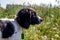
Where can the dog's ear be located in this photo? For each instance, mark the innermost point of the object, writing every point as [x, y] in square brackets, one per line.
[23, 18]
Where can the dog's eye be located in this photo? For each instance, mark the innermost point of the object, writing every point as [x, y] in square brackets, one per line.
[34, 13]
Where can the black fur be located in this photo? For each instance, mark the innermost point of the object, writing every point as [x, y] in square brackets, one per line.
[24, 18]
[1, 25]
[8, 31]
[27, 16]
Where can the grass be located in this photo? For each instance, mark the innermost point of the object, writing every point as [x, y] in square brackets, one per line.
[49, 29]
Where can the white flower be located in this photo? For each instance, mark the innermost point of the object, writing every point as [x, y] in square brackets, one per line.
[44, 37]
[56, 35]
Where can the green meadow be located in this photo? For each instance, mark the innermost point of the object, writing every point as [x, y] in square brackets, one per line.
[49, 29]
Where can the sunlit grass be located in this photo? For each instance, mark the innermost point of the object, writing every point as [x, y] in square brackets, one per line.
[49, 29]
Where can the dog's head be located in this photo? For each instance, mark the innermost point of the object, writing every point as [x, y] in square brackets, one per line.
[27, 16]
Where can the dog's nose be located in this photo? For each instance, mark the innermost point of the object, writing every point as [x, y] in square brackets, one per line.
[41, 20]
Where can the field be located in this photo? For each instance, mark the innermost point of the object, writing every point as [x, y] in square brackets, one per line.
[49, 29]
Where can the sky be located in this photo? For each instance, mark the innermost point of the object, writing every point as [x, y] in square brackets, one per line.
[38, 2]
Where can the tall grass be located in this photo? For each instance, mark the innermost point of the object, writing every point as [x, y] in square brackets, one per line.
[49, 29]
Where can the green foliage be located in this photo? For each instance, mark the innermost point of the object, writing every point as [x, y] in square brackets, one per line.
[49, 29]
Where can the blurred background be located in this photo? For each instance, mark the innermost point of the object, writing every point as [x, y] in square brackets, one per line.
[49, 10]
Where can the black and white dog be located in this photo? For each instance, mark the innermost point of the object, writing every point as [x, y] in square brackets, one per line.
[11, 28]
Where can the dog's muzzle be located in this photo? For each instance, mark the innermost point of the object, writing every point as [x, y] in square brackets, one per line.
[36, 20]
[40, 19]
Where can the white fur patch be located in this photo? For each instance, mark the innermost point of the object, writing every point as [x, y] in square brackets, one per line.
[17, 32]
